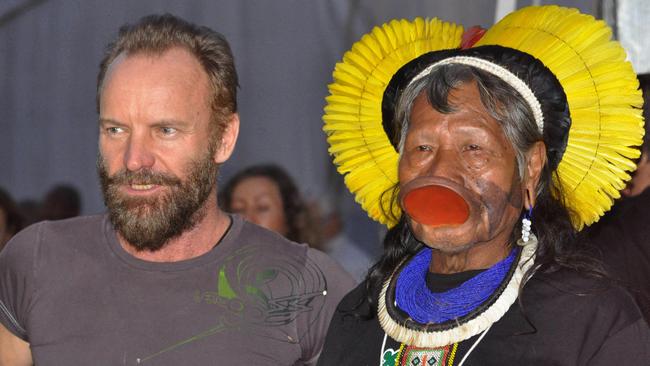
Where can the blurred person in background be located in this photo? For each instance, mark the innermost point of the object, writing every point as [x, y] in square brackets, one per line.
[30, 209]
[61, 202]
[622, 237]
[266, 195]
[11, 220]
[338, 244]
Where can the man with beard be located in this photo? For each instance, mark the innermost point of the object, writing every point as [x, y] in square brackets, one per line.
[165, 278]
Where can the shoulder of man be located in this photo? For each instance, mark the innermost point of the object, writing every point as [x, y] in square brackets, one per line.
[581, 299]
[274, 244]
[38, 246]
[57, 235]
[579, 288]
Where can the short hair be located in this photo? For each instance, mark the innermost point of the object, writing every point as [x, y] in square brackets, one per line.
[155, 34]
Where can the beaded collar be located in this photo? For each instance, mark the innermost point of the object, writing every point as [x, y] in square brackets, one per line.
[437, 334]
[414, 297]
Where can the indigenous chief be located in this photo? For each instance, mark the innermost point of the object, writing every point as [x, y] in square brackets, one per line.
[500, 146]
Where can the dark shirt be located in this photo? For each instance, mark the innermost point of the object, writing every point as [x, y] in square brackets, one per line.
[562, 319]
[70, 290]
[622, 242]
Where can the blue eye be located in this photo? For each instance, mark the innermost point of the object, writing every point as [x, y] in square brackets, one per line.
[167, 130]
[114, 130]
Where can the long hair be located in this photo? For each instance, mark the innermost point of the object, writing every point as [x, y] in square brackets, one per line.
[559, 245]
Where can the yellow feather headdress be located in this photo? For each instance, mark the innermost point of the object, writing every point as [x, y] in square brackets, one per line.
[600, 87]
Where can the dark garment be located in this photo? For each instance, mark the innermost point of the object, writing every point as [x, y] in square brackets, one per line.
[622, 242]
[71, 291]
[567, 320]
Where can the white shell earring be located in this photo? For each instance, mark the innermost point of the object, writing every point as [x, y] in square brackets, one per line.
[526, 222]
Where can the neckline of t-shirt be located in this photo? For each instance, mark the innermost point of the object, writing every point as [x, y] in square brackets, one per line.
[222, 246]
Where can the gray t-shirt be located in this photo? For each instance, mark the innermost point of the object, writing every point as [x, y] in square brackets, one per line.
[71, 291]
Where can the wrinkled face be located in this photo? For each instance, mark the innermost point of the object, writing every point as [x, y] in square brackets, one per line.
[259, 201]
[466, 153]
[156, 163]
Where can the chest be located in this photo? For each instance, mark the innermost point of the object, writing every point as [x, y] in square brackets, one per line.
[109, 317]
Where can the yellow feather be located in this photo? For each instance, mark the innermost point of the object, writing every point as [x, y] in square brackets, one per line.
[352, 119]
[600, 86]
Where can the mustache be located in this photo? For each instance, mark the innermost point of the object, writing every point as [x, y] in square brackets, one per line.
[143, 177]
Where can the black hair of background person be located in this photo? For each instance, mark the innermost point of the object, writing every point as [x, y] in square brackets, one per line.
[61, 202]
[13, 218]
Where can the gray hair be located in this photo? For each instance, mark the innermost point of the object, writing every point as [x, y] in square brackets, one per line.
[503, 103]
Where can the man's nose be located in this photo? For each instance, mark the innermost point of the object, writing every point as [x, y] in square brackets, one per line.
[446, 163]
[139, 153]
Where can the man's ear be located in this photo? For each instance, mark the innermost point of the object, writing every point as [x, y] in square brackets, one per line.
[536, 159]
[228, 140]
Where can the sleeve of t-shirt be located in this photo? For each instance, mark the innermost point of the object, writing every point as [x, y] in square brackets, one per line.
[16, 279]
[339, 283]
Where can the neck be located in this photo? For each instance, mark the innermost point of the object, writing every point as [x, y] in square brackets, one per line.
[190, 244]
[479, 256]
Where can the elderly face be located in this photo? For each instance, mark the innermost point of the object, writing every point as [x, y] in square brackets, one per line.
[467, 156]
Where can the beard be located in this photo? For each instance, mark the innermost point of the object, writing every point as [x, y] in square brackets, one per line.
[148, 223]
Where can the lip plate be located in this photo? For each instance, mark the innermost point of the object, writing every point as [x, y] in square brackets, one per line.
[470, 198]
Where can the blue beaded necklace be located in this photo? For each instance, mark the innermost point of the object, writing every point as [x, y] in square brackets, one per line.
[414, 297]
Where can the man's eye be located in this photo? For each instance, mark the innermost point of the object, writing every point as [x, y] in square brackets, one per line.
[425, 148]
[114, 130]
[472, 147]
[167, 130]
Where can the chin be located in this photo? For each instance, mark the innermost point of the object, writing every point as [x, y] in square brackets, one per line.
[447, 239]
[447, 246]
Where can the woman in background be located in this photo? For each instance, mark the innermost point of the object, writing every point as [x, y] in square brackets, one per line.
[267, 196]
